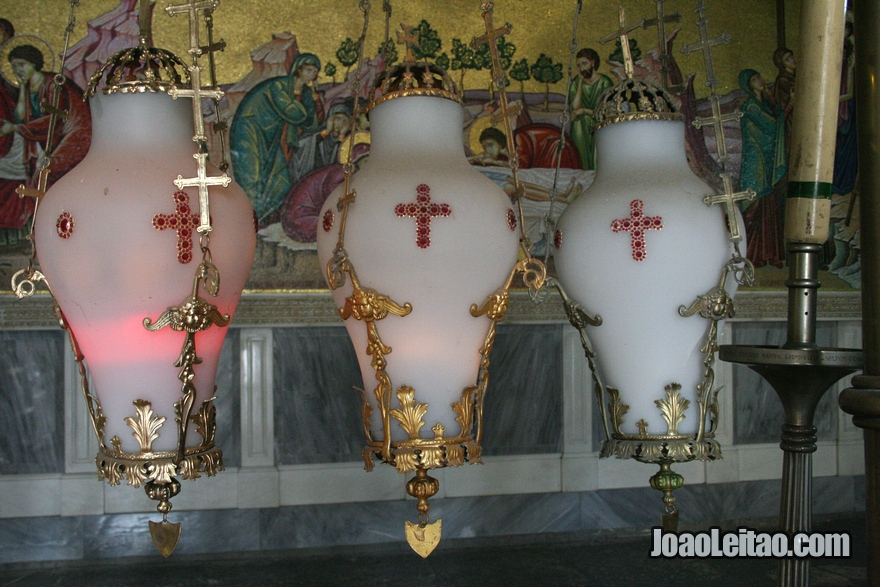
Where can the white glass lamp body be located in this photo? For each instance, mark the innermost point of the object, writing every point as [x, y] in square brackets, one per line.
[467, 255]
[635, 285]
[110, 266]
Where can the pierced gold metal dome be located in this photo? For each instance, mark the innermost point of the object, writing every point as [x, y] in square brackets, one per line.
[634, 99]
[141, 69]
[413, 79]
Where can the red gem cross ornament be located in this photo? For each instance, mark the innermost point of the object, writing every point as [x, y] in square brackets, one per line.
[183, 221]
[423, 210]
[636, 225]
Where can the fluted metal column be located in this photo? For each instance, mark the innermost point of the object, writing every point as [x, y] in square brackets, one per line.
[801, 372]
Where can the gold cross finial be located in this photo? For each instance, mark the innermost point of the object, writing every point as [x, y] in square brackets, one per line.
[623, 34]
[39, 191]
[729, 199]
[192, 8]
[705, 45]
[660, 22]
[407, 37]
[505, 110]
[202, 181]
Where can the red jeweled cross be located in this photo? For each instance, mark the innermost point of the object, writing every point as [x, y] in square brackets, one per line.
[636, 225]
[423, 210]
[183, 221]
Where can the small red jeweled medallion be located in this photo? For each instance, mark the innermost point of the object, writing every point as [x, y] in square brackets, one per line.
[183, 221]
[328, 221]
[636, 225]
[64, 225]
[423, 210]
[511, 219]
[557, 239]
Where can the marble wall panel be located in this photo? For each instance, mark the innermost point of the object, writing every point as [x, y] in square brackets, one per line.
[758, 413]
[40, 539]
[228, 402]
[374, 522]
[32, 402]
[317, 413]
[124, 535]
[523, 408]
[621, 508]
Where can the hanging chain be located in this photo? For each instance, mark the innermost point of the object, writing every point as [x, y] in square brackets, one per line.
[24, 282]
[386, 45]
[220, 126]
[534, 271]
[564, 120]
[339, 266]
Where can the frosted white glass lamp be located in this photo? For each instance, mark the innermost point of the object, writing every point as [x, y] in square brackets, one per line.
[434, 244]
[126, 253]
[641, 249]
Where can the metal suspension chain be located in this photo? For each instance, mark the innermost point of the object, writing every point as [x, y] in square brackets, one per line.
[24, 282]
[564, 120]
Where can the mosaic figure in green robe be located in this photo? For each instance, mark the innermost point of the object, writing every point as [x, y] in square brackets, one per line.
[266, 131]
[583, 95]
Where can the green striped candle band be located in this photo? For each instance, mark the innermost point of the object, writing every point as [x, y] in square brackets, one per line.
[812, 190]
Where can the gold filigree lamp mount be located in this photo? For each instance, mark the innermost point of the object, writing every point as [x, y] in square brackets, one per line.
[649, 221]
[154, 420]
[438, 246]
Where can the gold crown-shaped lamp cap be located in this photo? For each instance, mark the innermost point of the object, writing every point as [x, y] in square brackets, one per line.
[634, 99]
[141, 69]
[413, 79]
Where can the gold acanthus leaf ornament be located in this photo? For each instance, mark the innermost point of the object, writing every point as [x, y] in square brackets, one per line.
[617, 408]
[465, 409]
[410, 413]
[205, 421]
[673, 407]
[145, 424]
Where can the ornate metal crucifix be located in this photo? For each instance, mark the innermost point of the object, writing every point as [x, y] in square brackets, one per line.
[717, 120]
[660, 23]
[220, 125]
[202, 181]
[729, 198]
[192, 9]
[706, 45]
[505, 110]
[623, 34]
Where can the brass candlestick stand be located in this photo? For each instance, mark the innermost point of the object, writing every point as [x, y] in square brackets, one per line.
[800, 372]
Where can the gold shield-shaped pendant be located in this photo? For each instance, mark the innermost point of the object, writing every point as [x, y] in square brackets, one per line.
[423, 538]
[165, 536]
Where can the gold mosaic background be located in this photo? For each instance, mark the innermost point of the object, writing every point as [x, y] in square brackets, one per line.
[540, 26]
